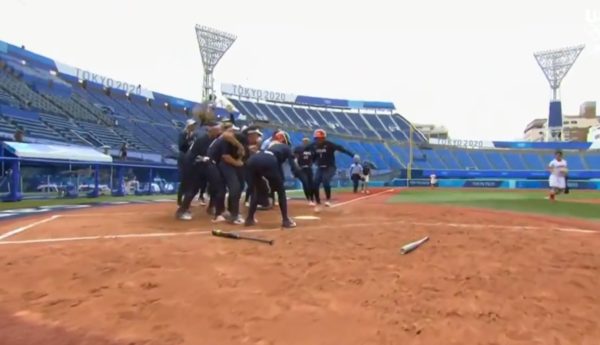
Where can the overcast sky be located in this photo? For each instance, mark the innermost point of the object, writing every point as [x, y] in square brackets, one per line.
[465, 64]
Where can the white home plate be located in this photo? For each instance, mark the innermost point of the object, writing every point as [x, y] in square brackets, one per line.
[307, 218]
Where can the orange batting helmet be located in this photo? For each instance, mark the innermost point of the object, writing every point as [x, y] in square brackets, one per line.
[283, 138]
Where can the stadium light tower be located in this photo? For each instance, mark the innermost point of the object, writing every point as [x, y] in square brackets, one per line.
[556, 64]
[213, 45]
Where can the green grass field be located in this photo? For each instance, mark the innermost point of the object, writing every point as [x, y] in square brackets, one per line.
[518, 201]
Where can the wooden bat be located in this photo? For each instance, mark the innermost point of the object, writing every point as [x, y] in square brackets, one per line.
[236, 236]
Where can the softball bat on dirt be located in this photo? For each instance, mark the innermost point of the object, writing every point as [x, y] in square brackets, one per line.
[236, 236]
[413, 245]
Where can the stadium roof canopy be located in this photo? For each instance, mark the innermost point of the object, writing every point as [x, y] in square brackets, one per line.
[56, 152]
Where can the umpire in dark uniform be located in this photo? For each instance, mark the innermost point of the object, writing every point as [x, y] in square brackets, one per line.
[184, 141]
[196, 169]
[304, 157]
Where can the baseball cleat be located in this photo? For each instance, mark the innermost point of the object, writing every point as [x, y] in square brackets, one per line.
[327, 204]
[311, 203]
[185, 216]
[250, 222]
[238, 221]
[288, 224]
[219, 219]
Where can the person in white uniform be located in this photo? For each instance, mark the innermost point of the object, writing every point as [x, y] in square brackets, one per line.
[433, 182]
[558, 173]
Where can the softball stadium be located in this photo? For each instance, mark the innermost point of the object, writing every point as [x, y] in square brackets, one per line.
[452, 243]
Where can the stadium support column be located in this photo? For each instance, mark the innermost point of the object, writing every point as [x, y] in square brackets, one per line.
[213, 45]
[120, 182]
[555, 121]
[15, 183]
[556, 64]
[150, 180]
[410, 156]
[96, 191]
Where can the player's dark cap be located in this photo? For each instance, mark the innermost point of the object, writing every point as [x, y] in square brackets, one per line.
[227, 123]
[253, 130]
[211, 123]
[558, 152]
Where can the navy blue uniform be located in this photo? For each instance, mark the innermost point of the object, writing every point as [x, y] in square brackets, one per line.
[266, 166]
[184, 141]
[232, 176]
[194, 170]
[263, 192]
[366, 170]
[356, 170]
[304, 156]
[216, 183]
[324, 159]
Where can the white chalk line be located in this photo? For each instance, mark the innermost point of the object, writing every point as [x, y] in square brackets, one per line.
[27, 227]
[361, 198]
[167, 234]
[308, 228]
[314, 227]
[583, 231]
[84, 238]
[100, 214]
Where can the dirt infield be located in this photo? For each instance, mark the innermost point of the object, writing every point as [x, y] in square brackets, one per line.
[133, 275]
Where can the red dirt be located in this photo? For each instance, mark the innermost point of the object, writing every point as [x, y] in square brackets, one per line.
[340, 280]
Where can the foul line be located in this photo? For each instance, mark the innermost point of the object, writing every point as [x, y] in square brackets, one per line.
[362, 198]
[309, 228]
[169, 234]
[27, 227]
[101, 214]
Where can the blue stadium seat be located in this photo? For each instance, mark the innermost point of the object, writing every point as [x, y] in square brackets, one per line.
[464, 159]
[448, 159]
[480, 159]
[515, 161]
[575, 162]
[533, 161]
[497, 160]
[593, 160]
[63, 109]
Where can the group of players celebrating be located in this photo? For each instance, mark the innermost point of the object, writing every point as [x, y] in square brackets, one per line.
[222, 158]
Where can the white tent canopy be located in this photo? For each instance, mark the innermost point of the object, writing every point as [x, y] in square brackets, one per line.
[56, 152]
